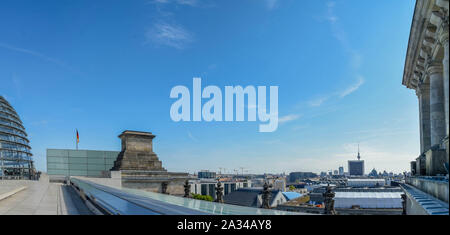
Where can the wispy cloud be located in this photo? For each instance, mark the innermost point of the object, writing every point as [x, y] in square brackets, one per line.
[181, 2]
[355, 60]
[345, 92]
[288, 118]
[271, 4]
[352, 88]
[36, 54]
[331, 17]
[192, 137]
[171, 35]
[187, 2]
[340, 35]
[317, 102]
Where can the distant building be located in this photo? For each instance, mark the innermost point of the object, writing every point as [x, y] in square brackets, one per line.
[364, 200]
[16, 160]
[208, 187]
[291, 195]
[294, 176]
[279, 184]
[370, 183]
[258, 182]
[206, 175]
[373, 173]
[356, 168]
[338, 181]
[252, 197]
[91, 163]
[360, 198]
[341, 170]
[352, 201]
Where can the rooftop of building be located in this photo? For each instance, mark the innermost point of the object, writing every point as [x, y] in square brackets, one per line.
[291, 195]
[366, 180]
[248, 196]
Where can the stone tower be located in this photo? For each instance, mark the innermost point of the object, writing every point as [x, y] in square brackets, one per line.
[137, 153]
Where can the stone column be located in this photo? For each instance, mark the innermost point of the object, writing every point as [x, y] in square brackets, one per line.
[423, 93]
[444, 41]
[437, 110]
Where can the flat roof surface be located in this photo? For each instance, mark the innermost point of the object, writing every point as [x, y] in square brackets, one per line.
[368, 195]
[365, 180]
[41, 198]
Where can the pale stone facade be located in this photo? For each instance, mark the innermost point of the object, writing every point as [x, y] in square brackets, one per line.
[427, 72]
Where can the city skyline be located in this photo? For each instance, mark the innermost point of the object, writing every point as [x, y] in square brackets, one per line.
[338, 79]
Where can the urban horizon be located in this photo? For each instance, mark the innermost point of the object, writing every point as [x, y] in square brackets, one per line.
[335, 92]
[244, 109]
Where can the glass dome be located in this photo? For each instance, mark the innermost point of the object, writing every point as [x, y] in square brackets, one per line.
[15, 154]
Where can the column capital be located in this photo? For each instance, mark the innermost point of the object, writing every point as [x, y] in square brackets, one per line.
[423, 88]
[443, 16]
[434, 66]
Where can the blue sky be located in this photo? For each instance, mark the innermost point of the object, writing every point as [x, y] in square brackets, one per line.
[107, 66]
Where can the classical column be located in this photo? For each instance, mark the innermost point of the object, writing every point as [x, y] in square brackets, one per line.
[423, 93]
[437, 110]
[443, 38]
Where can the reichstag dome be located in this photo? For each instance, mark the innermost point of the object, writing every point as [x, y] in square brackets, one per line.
[15, 155]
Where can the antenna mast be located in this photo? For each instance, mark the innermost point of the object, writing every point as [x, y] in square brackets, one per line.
[359, 156]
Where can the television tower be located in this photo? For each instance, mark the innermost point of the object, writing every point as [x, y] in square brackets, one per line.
[359, 156]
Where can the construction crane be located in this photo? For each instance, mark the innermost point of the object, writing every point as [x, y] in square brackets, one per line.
[242, 170]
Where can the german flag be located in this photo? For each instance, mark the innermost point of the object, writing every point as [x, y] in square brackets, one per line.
[78, 137]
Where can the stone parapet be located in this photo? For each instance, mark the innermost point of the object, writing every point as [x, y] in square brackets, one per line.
[155, 181]
[422, 203]
[435, 186]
